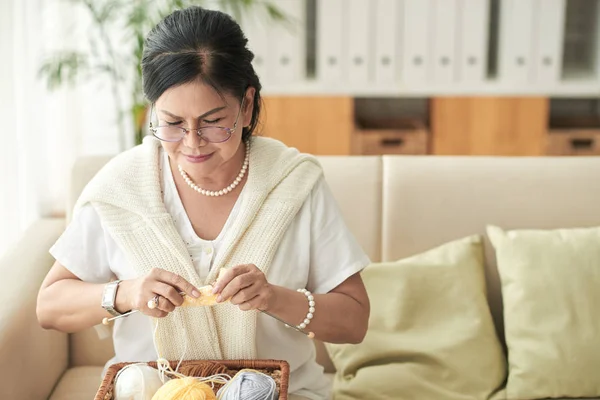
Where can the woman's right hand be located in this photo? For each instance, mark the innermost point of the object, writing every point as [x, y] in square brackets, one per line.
[135, 294]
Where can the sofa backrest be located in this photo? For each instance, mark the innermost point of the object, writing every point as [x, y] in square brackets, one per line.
[428, 201]
[398, 206]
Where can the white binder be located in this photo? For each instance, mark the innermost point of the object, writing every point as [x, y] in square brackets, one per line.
[550, 15]
[287, 49]
[416, 39]
[358, 31]
[255, 28]
[386, 21]
[516, 40]
[473, 33]
[444, 40]
[330, 42]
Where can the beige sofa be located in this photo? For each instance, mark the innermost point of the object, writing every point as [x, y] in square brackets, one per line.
[395, 205]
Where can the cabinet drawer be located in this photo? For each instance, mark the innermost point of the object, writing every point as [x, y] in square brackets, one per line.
[573, 142]
[384, 141]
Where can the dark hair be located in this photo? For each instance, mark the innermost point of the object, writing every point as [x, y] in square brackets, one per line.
[196, 43]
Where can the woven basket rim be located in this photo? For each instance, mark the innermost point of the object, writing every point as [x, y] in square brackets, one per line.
[281, 365]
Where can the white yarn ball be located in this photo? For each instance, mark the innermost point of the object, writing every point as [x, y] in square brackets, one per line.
[137, 382]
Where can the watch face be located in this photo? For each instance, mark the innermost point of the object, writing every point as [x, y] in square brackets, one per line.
[108, 295]
[106, 298]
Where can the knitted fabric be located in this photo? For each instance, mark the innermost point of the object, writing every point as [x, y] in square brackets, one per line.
[126, 193]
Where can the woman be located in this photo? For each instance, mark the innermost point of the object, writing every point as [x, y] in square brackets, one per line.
[200, 196]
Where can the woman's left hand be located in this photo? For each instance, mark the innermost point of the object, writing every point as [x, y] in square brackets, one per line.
[245, 286]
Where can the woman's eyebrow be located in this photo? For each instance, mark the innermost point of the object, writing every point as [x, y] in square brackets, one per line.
[200, 117]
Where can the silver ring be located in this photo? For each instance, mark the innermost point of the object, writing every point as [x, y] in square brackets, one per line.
[153, 302]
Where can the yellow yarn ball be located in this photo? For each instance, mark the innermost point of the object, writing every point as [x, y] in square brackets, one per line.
[185, 389]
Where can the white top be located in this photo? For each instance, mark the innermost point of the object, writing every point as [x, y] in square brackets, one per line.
[317, 252]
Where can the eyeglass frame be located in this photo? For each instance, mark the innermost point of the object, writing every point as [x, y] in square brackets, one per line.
[230, 131]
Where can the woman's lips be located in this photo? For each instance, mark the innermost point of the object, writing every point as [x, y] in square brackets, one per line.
[197, 159]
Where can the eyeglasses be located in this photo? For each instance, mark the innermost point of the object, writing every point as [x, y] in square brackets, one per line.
[212, 134]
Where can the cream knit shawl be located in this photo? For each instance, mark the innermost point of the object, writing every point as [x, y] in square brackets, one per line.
[126, 193]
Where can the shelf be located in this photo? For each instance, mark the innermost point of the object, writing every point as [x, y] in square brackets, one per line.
[575, 88]
[429, 48]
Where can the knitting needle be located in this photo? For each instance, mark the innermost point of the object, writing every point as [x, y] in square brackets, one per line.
[107, 321]
[310, 335]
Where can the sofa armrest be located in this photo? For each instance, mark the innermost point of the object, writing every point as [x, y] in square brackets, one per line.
[33, 359]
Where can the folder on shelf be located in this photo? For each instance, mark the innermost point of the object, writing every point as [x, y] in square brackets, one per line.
[358, 29]
[287, 50]
[330, 40]
[387, 48]
[473, 34]
[443, 27]
[516, 41]
[550, 15]
[255, 28]
[416, 39]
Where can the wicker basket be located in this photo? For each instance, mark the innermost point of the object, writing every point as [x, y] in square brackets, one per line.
[278, 369]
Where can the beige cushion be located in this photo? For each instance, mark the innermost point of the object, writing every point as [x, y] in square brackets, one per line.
[83, 171]
[428, 201]
[551, 287]
[78, 383]
[430, 334]
[31, 358]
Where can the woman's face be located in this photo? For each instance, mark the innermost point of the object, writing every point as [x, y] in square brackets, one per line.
[197, 105]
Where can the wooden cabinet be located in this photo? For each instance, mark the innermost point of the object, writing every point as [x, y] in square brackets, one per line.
[489, 126]
[501, 126]
[316, 125]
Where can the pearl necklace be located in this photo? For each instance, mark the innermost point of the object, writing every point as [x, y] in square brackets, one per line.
[221, 192]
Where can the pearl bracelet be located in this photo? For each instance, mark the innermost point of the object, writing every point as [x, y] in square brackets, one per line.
[311, 308]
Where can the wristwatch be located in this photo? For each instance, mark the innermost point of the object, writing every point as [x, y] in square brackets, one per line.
[108, 297]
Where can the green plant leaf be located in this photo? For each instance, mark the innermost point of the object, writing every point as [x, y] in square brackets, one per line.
[275, 13]
[63, 68]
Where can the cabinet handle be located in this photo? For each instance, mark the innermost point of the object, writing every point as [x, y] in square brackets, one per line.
[582, 144]
[392, 142]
